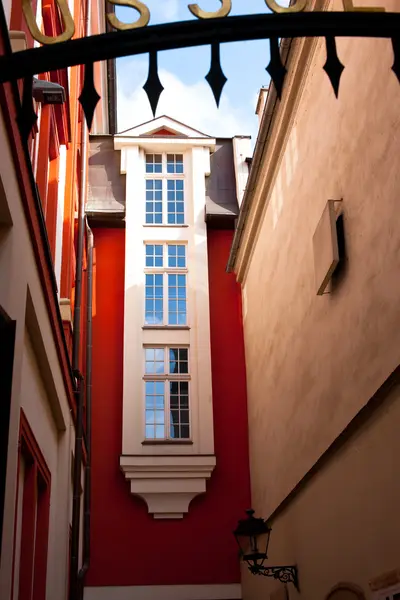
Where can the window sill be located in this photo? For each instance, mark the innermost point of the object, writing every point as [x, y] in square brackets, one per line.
[163, 225]
[168, 327]
[167, 443]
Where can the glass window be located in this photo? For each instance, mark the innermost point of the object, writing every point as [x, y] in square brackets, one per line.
[177, 313]
[155, 410]
[175, 197]
[179, 410]
[154, 313]
[153, 163]
[176, 256]
[167, 414]
[154, 361]
[154, 197]
[175, 163]
[178, 361]
[154, 255]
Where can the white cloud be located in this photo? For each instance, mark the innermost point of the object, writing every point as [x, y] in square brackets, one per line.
[168, 9]
[193, 105]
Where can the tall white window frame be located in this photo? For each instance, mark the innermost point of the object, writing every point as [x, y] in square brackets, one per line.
[168, 266]
[174, 207]
[167, 406]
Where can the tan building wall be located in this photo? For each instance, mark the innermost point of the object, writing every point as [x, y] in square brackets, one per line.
[313, 362]
[38, 387]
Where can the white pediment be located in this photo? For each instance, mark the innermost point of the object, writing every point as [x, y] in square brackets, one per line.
[158, 126]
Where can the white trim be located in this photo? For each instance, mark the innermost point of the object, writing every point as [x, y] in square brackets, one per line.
[170, 144]
[167, 484]
[230, 591]
[163, 122]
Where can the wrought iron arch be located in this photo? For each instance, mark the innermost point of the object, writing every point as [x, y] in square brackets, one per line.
[213, 32]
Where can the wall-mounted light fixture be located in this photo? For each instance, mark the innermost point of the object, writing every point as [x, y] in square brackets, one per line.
[252, 535]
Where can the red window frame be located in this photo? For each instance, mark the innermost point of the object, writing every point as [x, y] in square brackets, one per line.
[35, 517]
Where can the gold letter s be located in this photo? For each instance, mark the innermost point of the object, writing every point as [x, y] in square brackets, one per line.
[349, 7]
[137, 5]
[35, 31]
[203, 14]
[298, 7]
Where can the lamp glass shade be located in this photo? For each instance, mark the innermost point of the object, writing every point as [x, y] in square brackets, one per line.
[252, 535]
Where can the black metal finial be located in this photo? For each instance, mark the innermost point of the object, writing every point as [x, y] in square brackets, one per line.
[276, 68]
[27, 116]
[216, 77]
[333, 67]
[153, 86]
[396, 49]
[89, 97]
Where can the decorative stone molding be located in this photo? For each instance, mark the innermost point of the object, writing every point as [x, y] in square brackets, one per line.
[167, 484]
[346, 591]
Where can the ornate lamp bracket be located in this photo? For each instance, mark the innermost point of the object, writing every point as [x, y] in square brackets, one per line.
[285, 574]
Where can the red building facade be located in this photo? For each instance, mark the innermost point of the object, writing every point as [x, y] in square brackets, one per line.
[141, 545]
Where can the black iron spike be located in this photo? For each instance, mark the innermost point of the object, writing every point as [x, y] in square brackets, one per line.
[396, 49]
[153, 86]
[333, 67]
[89, 97]
[276, 68]
[27, 116]
[216, 77]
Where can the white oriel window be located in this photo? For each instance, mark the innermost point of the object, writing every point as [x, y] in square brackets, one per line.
[166, 381]
[166, 284]
[165, 189]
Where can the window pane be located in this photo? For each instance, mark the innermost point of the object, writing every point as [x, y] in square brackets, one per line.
[179, 410]
[153, 200]
[150, 432]
[153, 291]
[154, 361]
[178, 364]
[155, 410]
[174, 163]
[177, 313]
[177, 256]
[175, 202]
[153, 163]
[154, 255]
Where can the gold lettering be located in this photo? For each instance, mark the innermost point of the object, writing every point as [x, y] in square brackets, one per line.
[277, 8]
[142, 9]
[203, 14]
[349, 7]
[69, 26]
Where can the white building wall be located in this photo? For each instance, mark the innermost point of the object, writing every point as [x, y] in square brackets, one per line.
[141, 468]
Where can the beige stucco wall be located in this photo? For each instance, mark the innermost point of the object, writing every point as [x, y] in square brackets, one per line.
[344, 525]
[38, 385]
[314, 362]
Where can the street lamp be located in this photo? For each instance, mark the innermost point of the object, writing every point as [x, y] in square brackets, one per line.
[252, 535]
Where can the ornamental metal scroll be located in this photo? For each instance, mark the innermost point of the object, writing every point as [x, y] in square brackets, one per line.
[210, 28]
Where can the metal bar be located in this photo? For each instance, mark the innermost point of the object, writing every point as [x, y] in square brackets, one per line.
[187, 34]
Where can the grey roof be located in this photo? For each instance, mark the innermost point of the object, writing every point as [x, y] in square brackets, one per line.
[106, 193]
[221, 197]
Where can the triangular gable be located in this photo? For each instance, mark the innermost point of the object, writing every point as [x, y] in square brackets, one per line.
[164, 132]
[163, 126]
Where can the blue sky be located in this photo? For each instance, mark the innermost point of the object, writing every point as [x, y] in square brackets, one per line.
[187, 96]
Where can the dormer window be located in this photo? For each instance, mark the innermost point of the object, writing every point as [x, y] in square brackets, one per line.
[153, 163]
[165, 190]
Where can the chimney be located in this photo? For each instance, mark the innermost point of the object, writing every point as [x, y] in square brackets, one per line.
[262, 99]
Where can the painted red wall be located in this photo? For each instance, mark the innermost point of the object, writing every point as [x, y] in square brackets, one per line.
[128, 546]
